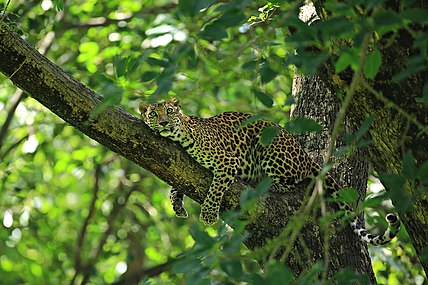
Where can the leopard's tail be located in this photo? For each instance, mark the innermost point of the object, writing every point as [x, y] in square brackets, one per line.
[357, 225]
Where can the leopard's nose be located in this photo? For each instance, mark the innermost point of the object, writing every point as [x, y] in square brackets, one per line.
[163, 124]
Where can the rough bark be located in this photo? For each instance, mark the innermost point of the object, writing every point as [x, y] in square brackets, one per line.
[316, 101]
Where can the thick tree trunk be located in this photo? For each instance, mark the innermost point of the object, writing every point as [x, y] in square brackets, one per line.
[314, 100]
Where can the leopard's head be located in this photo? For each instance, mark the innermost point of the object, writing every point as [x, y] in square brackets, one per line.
[163, 117]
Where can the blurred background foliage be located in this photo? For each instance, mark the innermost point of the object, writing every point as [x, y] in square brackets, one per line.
[75, 213]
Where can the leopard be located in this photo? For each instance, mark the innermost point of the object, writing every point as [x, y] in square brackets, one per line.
[230, 146]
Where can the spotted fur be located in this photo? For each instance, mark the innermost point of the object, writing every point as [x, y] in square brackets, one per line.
[231, 149]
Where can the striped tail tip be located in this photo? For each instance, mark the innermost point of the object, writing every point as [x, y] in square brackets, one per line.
[387, 236]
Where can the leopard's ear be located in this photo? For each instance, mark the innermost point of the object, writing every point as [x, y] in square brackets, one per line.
[142, 107]
[174, 101]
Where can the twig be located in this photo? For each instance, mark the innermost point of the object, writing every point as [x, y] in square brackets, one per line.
[16, 99]
[303, 215]
[117, 206]
[14, 145]
[4, 12]
[77, 258]
[19, 67]
[356, 79]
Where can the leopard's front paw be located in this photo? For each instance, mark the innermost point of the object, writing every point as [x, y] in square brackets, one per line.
[176, 198]
[209, 215]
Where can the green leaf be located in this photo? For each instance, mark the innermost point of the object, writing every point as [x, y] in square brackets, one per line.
[216, 30]
[233, 268]
[263, 186]
[348, 195]
[249, 64]
[192, 7]
[250, 120]
[416, 15]
[266, 73]
[365, 126]
[197, 278]
[213, 32]
[201, 237]
[59, 5]
[311, 277]
[112, 95]
[409, 166]
[185, 265]
[349, 57]
[263, 97]
[424, 254]
[395, 183]
[157, 62]
[289, 101]
[347, 276]
[149, 75]
[303, 125]
[335, 27]
[164, 85]
[268, 134]
[250, 196]
[90, 48]
[386, 20]
[231, 17]
[422, 173]
[278, 273]
[120, 65]
[424, 98]
[372, 201]
[373, 62]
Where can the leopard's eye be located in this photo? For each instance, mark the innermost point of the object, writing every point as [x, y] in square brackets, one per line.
[169, 110]
[152, 114]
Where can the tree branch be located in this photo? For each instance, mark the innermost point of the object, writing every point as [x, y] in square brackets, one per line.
[113, 127]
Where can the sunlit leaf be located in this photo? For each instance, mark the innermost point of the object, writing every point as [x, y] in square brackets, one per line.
[348, 58]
